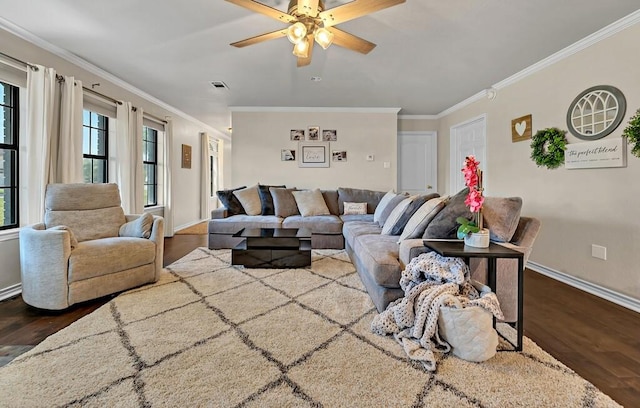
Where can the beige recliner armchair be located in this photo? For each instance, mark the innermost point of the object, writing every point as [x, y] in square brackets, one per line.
[87, 247]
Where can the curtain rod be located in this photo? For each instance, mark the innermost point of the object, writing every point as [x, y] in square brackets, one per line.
[150, 116]
[26, 64]
[102, 95]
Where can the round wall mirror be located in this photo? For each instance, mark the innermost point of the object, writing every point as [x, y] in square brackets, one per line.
[596, 112]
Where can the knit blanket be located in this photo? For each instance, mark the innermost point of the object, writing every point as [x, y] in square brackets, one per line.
[429, 282]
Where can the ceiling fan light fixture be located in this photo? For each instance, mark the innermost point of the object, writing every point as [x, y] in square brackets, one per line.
[301, 49]
[323, 37]
[296, 32]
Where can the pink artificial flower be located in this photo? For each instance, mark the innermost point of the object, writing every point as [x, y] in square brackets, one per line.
[470, 177]
[474, 200]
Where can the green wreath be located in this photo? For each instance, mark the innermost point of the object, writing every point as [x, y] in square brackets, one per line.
[548, 146]
[632, 133]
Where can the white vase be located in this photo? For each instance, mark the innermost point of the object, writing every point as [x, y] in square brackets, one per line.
[478, 239]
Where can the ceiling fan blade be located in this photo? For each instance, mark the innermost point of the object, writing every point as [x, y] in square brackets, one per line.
[308, 7]
[266, 10]
[355, 9]
[306, 61]
[260, 38]
[350, 41]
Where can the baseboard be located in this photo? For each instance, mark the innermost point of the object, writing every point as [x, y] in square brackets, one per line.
[190, 224]
[604, 293]
[10, 291]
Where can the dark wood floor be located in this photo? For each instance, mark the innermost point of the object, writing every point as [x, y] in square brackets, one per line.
[597, 339]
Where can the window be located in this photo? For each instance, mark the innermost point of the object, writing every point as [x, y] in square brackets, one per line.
[95, 128]
[150, 165]
[9, 156]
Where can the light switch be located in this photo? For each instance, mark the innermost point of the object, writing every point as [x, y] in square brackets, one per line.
[387, 165]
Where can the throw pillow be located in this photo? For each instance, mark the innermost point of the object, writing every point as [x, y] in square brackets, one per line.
[393, 203]
[355, 208]
[501, 216]
[229, 201]
[250, 200]
[72, 237]
[284, 204]
[444, 224]
[266, 200]
[398, 227]
[420, 219]
[310, 202]
[396, 214]
[384, 201]
[138, 228]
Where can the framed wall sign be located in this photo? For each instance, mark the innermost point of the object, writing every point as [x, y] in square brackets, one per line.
[186, 156]
[313, 154]
[521, 129]
[596, 112]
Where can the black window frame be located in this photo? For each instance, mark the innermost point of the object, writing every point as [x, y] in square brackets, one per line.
[150, 163]
[104, 158]
[14, 106]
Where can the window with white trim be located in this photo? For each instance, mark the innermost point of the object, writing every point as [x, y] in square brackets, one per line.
[95, 147]
[150, 165]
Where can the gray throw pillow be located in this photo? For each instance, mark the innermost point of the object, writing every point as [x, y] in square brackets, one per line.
[398, 227]
[384, 214]
[396, 214]
[444, 225]
[283, 202]
[266, 200]
[501, 216]
[138, 228]
[420, 219]
[384, 201]
[229, 201]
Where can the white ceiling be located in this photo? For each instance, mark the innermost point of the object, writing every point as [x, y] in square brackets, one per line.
[430, 54]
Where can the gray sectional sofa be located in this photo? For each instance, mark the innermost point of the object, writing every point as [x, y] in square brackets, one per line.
[380, 258]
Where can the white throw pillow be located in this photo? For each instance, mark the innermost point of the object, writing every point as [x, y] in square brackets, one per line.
[383, 204]
[355, 208]
[311, 202]
[250, 200]
[396, 214]
[420, 219]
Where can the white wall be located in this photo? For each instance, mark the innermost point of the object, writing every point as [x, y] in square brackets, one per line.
[578, 208]
[186, 184]
[259, 136]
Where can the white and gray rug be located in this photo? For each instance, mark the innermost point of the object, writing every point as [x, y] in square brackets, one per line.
[212, 335]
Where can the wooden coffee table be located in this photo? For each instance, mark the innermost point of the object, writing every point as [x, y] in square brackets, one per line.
[273, 248]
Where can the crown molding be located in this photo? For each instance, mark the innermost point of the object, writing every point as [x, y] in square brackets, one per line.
[87, 66]
[600, 35]
[318, 109]
[418, 117]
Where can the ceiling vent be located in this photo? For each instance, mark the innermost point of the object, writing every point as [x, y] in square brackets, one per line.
[219, 85]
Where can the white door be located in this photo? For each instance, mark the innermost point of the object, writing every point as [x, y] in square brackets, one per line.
[467, 138]
[417, 162]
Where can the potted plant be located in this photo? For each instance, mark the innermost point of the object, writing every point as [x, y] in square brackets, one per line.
[632, 133]
[472, 231]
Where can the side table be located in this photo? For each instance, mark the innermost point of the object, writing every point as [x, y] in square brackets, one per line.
[492, 254]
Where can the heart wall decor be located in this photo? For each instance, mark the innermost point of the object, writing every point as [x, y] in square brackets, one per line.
[521, 129]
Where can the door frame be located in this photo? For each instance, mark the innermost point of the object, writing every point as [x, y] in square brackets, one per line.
[430, 135]
[453, 144]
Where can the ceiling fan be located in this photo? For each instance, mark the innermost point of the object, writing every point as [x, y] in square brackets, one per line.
[309, 21]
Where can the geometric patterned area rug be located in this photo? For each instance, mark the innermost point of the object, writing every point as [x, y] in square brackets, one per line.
[208, 334]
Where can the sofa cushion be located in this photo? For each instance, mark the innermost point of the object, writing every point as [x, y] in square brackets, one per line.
[81, 196]
[358, 195]
[384, 201]
[310, 202]
[283, 202]
[250, 200]
[317, 224]
[393, 203]
[355, 208]
[331, 199]
[379, 255]
[357, 217]
[501, 216]
[422, 217]
[229, 201]
[266, 200]
[138, 228]
[354, 229]
[396, 214]
[398, 227]
[235, 223]
[88, 259]
[444, 224]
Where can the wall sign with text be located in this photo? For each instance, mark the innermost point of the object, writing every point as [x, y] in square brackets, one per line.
[597, 154]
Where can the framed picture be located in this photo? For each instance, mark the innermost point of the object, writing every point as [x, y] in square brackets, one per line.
[521, 129]
[314, 133]
[287, 155]
[297, 135]
[339, 155]
[186, 156]
[313, 154]
[329, 135]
